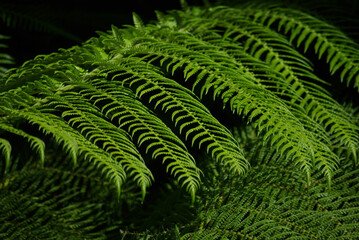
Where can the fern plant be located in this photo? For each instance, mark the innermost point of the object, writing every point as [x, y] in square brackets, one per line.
[228, 101]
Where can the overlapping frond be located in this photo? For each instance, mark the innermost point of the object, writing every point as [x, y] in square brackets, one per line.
[295, 81]
[218, 71]
[49, 203]
[118, 103]
[302, 29]
[140, 92]
[139, 97]
[276, 203]
[188, 114]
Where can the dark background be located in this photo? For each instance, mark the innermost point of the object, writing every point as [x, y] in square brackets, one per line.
[43, 26]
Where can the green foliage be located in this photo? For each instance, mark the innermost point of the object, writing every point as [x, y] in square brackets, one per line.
[50, 203]
[236, 104]
[275, 202]
[5, 59]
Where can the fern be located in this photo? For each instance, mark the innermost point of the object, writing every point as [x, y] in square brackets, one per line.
[313, 100]
[35, 206]
[135, 98]
[340, 51]
[5, 59]
[279, 209]
[257, 217]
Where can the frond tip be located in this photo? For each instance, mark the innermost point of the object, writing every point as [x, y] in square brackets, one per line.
[35, 143]
[5, 147]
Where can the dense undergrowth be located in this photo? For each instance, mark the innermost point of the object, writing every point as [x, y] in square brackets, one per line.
[212, 122]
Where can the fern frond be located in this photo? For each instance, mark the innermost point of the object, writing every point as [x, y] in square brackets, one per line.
[5, 59]
[50, 203]
[45, 123]
[5, 147]
[241, 93]
[191, 117]
[305, 30]
[146, 95]
[113, 141]
[300, 85]
[119, 104]
[35, 143]
[137, 21]
[118, 92]
[269, 207]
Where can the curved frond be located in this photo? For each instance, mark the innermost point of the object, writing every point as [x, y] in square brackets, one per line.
[340, 51]
[188, 114]
[35, 143]
[120, 105]
[5, 147]
[242, 93]
[281, 69]
[142, 93]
